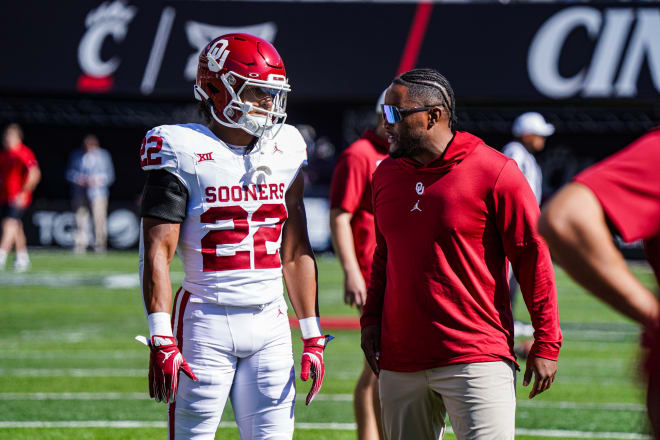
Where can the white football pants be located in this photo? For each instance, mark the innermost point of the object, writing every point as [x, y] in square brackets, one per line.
[243, 353]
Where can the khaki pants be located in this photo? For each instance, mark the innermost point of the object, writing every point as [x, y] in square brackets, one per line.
[479, 397]
[99, 208]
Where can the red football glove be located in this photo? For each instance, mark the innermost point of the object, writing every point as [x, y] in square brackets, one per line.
[312, 361]
[164, 364]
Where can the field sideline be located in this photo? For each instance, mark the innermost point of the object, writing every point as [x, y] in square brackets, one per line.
[72, 370]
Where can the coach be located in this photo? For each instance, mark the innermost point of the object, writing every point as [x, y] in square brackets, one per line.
[437, 324]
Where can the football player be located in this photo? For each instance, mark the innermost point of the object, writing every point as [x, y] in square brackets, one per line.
[230, 195]
[620, 194]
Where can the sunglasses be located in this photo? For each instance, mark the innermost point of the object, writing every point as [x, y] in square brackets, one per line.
[394, 114]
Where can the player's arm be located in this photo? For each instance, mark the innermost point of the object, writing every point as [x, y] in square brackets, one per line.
[300, 276]
[298, 262]
[31, 181]
[349, 180]
[33, 178]
[517, 213]
[576, 230]
[355, 289]
[160, 240]
[163, 208]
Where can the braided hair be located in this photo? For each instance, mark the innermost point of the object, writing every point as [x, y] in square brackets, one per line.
[430, 87]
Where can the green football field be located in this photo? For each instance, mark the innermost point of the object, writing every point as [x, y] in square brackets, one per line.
[70, 368]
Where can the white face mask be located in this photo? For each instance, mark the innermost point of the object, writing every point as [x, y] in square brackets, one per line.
[255, 124]
[254, 119]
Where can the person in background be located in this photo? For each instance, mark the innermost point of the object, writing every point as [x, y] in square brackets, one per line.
[90, 173]
[621, 194]
[354, 240]
[530, 131]
[19, 176]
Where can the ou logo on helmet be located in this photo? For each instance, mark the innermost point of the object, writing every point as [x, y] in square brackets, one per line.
[610, 29]
[217, 55]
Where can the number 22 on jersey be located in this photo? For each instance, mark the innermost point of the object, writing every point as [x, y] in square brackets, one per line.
[241, 259]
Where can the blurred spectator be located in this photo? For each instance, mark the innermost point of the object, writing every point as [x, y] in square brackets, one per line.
[19, 175]
[90, 172]
[321, 153]
[530, 131]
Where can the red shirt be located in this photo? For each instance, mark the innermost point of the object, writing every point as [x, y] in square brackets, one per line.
[444, 231]
[627, 185]
[350, 191]
[14, 166]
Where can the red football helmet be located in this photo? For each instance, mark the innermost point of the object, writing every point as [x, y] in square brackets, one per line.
[241, 79]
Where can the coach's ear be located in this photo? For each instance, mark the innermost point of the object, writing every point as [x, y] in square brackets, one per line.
[435, 114]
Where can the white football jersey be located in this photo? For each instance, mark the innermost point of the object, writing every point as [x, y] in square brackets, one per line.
[230, 239]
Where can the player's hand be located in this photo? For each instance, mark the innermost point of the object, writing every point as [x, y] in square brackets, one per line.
[312, 363]
[164, 364]
[371, 346]
[544, 371]
[355, 289]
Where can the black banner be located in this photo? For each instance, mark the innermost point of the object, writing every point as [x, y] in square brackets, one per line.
[337, 51]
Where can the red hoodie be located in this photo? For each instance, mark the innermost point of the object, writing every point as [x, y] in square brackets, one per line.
[444, 231]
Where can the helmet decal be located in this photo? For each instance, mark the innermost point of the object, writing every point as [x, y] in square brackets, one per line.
[217, 55]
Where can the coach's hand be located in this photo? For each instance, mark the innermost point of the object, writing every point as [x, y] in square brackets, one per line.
[544, 374]
[312, 363]
[164, 364]
[371, 346]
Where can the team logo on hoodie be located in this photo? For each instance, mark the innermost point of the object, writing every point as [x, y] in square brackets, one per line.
[419, 188]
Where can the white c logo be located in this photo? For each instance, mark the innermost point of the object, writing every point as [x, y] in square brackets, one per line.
[543, 59]
[107, 19]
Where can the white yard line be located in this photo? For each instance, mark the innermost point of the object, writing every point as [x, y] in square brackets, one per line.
[543, 433]
[596, 380]
[323, 397]
[73, 372]
[114, 372]
[78, 279]
[563, 433]
[137, 396]
[345, 375]
[606, 406]
[75, 354]
[74, 396]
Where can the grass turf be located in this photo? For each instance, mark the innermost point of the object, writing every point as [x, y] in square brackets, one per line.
[73, 334]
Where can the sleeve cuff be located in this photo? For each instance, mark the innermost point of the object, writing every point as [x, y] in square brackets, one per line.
[546, 350]
[366, 321]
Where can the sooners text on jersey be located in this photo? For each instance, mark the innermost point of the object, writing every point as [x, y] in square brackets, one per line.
[230, 239]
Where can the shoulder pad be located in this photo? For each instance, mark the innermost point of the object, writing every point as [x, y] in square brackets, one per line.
[156, 152]
[291, 141]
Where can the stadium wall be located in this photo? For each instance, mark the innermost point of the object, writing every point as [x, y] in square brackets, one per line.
[117, 68]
